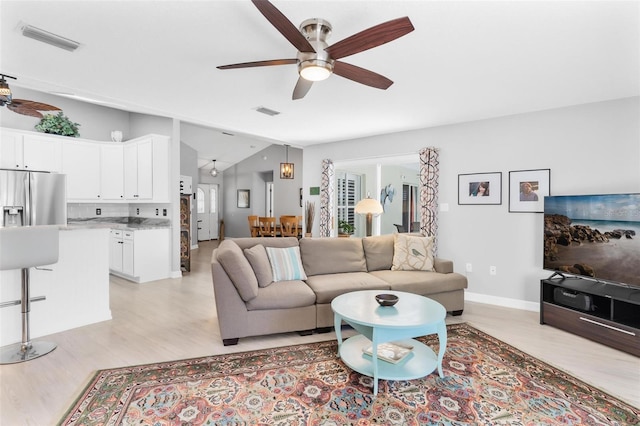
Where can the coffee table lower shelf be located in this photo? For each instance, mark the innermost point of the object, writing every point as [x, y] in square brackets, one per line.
[421, 362]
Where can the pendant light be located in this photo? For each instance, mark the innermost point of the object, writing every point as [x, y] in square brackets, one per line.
[286, 169]
[214, 171]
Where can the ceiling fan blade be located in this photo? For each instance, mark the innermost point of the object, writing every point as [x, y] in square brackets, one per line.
[301, 89]
[30, 108]
[371, 37]
[259, 64]
[284, 25]
[361, 75]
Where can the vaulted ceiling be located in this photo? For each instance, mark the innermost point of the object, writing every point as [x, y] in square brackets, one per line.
[464, 61]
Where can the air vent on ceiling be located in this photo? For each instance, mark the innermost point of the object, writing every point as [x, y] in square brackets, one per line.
[49, 38]
[228, 134]
[267, 111]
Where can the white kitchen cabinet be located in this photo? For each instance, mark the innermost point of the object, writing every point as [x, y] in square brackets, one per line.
[115, 250]
[134, 171]
[128, 255]
[81, 164]
[138, 170]
[25, 151]
[111, 172]
[140, 255]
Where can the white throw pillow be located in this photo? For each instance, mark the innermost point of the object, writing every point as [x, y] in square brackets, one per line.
[286, 264]
[412, 253]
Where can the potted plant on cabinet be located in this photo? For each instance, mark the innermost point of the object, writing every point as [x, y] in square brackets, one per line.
[58, 124]
[345, 229]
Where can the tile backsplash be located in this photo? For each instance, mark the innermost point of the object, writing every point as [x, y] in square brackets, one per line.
[88, 210]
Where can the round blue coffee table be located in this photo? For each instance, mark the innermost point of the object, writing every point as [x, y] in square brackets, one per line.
[412, 316]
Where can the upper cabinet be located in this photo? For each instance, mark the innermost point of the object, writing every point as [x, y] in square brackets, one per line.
[81, 164]
[132, 171]
[27, 151]
[111, 171]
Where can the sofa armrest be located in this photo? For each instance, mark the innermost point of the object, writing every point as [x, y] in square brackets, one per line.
[443, 266]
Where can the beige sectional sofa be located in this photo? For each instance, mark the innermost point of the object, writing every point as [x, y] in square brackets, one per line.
[248, 303]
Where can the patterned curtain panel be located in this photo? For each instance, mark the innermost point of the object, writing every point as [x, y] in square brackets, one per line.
[327, 198]
[429, 173]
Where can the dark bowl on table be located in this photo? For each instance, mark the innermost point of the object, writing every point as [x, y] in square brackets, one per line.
[386, 299]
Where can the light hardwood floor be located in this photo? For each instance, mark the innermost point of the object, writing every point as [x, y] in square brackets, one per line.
[173, 319]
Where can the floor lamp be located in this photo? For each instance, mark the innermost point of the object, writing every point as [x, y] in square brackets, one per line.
[369, 207]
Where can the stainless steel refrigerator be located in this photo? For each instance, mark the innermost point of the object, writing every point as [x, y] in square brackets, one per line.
[32, 198]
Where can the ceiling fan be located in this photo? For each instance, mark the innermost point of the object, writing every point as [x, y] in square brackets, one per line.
[316, 60]
[21, 106]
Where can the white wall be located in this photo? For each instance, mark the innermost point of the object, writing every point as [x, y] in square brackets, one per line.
[252, 173]
[592, 148]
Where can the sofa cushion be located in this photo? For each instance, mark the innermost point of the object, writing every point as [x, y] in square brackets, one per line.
[412, 253]
[378, 252]
[257, 257]
[327, 287]
[249, 242]
[421, 282]
[283, 295]
[238, 268]
[332, 255]
[286, 264]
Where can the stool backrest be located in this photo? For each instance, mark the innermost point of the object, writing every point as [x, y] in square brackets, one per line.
[28, 246]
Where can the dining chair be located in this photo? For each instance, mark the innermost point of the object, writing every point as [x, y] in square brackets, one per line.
[253, 225]
[288, 226]
[400, 228]
[266, 226]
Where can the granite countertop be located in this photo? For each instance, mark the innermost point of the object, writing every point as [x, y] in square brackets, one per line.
[130, 223]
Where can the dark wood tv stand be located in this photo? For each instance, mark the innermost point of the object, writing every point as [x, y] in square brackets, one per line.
[614, 319]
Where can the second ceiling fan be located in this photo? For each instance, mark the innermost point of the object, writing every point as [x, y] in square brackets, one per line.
[317, 60]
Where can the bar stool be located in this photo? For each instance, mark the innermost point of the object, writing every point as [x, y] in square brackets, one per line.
[22, 248]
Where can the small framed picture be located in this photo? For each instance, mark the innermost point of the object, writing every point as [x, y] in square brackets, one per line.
[527, 189]
[480, 188]
[243, 198]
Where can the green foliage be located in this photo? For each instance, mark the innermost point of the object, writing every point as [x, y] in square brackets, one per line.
[345, 227]
[58, 125]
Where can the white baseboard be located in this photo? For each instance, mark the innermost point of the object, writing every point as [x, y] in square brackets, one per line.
[175, 274]
[502, 301]
[194, 246]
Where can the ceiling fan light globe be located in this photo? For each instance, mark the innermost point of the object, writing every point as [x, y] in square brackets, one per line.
[315, 70]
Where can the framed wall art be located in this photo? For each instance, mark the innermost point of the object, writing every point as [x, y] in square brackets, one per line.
[244, 198]
[480, 188]
[527, 189]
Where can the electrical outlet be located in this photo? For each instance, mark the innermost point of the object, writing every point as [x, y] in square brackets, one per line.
[137, 211]
[469, 267]
[492, 270]
[157, 212]
[164, 212]
[98, 212]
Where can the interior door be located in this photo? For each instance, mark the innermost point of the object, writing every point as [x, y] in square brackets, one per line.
[207, 201]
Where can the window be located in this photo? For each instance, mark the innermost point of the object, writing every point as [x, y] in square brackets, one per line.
[213, 199]
[347, 195]
[200, 200]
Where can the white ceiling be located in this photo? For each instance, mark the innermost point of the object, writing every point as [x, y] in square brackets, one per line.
[464, 61]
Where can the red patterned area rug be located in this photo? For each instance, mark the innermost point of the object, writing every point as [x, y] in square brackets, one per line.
[487, 382]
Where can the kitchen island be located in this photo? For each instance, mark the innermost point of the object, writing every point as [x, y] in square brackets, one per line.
[76, 288]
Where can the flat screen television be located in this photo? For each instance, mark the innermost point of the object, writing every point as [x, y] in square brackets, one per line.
[593, 236]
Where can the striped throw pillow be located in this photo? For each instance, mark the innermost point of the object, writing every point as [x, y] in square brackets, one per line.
[286, 264]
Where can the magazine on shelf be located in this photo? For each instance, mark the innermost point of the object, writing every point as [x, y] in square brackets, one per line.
[392, 352]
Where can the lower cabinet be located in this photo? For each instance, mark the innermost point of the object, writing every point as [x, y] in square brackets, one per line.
[140, 255]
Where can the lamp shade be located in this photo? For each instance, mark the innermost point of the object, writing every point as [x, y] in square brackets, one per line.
[369, 206]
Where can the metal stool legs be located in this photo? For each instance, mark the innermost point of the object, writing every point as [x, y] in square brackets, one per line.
[26, 349]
